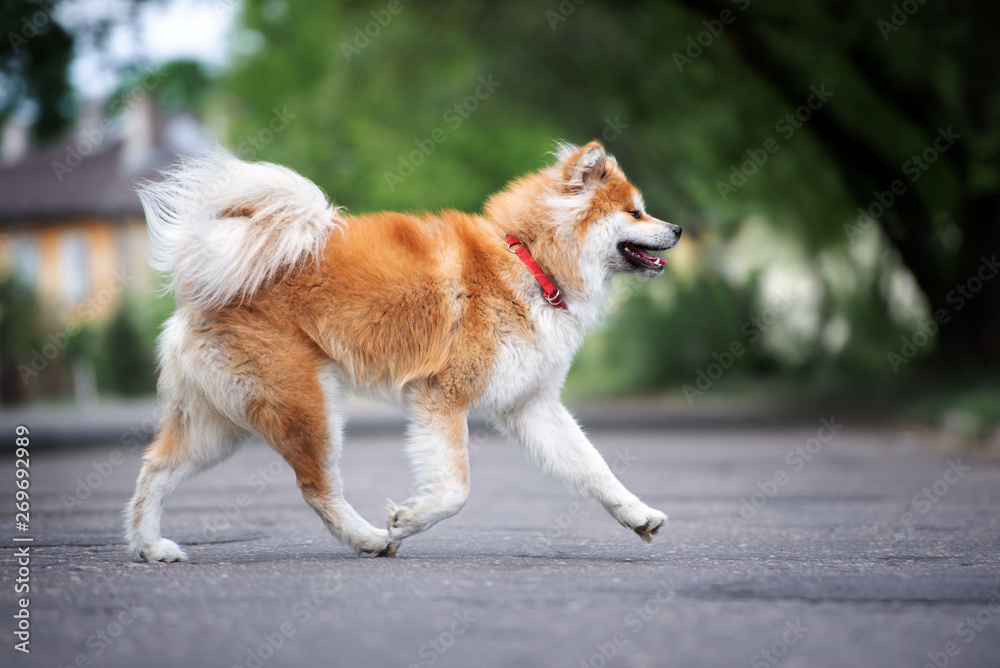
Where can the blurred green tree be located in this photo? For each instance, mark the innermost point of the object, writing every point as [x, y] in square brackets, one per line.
[184, 86]
[20, 332]
[35, 55]
[914, 137]
[833, 123]
[36, 52]
[833, 104]
[125, 359]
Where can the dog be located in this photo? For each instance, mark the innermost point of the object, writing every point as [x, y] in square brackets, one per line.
[284, 299]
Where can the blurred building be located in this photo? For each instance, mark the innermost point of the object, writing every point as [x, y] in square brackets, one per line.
[71, 225]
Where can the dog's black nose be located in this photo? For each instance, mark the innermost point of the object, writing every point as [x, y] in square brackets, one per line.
[676, 229]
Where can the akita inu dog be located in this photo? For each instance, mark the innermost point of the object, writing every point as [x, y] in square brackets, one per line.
[283, 299]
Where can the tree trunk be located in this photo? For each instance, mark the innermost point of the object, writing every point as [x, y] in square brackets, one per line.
[972, 299]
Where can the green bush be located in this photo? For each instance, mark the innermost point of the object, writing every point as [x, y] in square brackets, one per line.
[21, 331]
[660, 341]
[125, 357]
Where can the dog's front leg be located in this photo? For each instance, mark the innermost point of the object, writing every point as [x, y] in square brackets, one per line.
[555, 443]
[436, 446]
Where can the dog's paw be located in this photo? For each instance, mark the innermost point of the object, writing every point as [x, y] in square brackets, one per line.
[390, 550]
[163, 550]
[648, 529]
[379, 546]
[400, 520]
[642, 519]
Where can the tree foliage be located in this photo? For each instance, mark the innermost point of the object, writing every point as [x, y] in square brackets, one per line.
[34, 65]
[864, 136]
[808, 116]
[37, 49]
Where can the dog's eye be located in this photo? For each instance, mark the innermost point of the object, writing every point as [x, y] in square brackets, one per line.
[635, 214]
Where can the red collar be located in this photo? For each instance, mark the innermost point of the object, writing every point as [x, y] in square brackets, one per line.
[550, 292]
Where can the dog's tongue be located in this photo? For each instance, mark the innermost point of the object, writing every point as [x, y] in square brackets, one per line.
[645, 257]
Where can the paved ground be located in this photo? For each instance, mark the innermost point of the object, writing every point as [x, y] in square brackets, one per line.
[869, 551]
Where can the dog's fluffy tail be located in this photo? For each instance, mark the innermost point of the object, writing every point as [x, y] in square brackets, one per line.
[221, 227]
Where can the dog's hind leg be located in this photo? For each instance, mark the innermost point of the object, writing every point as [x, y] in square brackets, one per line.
[186, 444]
[436, 446]
[302, 420]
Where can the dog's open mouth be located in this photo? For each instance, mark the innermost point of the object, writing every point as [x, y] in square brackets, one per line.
[640, 256]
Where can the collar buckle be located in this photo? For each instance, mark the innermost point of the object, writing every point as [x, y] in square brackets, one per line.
[550, 292]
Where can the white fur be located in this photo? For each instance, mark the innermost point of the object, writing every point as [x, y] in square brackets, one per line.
[440, 471]
[522, 399]
[194, 384]
[554, 442]
[194, 372]
[214, 257]
[523, 394]
[213, 439]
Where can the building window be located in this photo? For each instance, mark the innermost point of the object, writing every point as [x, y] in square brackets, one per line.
[24, 252]
[75, 263]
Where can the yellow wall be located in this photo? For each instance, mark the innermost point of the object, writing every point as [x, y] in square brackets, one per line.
[116, 260]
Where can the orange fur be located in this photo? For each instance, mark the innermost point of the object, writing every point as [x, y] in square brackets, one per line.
[398, 299]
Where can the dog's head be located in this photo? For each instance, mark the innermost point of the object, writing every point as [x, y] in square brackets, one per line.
[597, 204]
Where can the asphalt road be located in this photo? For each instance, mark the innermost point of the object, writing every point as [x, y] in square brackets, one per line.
[863, 550]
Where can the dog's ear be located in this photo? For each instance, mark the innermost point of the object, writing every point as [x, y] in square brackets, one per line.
[586, 168]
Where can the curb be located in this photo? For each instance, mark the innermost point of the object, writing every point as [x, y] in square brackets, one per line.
[134, 422]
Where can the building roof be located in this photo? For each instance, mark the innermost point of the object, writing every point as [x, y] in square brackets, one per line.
[44, 186]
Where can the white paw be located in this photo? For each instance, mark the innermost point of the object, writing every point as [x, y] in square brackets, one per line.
[401, 522]
[378, 545]
[641, 519]
[163, 550]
